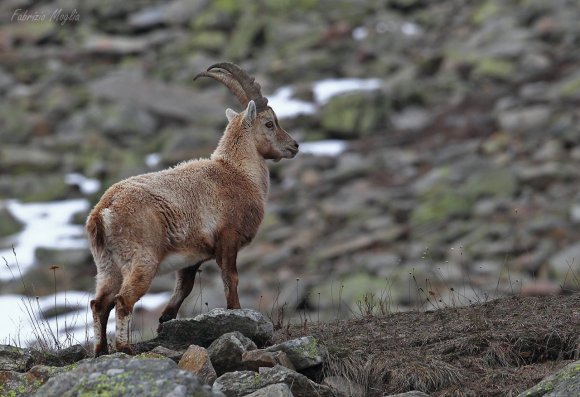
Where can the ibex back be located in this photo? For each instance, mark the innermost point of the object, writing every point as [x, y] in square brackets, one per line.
[201, 209]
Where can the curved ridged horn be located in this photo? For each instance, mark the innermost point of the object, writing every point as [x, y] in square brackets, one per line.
[240, 83]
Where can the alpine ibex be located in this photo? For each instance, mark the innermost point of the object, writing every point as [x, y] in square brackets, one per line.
[201, 209]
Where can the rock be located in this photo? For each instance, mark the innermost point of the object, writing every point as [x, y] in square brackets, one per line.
[66, 356]
[183, 11]
[17, 384]
[119, 375]
[14, 358]
[241, 383]
[245, 38]
[165, 352]
[196, 360]
[441, 204]
[493, 182]
[528, 119]
[568, 88]
[354, 114]
[542, 176]
[115, 45]
[566, 260]
[357, 243]
[205, 328]
[63, 257]
[148, 18]
[254, 359]
[6, 81]
[565, 382]
[575, 213]
[123, 119]
[168, 101]
[277, 390]
[9, 225]
[411, 119]
[32, 187]
[227, 350]
[344, 387]
[305, 352]
[250, 323]
[413, 393]
[181, 145]
[495, 68]
[20, 160]
[25, 384]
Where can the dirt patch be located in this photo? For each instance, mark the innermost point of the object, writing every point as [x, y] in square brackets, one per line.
[497, 348]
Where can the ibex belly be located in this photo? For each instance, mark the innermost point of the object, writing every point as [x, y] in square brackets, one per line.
[175, 262]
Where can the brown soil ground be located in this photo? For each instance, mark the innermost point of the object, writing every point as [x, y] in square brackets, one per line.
[497, 348]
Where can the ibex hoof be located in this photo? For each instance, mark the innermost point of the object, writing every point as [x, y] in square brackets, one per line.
[101, 352]
[164, 318]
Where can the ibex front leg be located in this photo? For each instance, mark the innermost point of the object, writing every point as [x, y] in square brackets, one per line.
[226, 255]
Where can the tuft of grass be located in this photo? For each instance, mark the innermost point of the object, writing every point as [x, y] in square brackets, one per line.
[425, 375]
[367, 374]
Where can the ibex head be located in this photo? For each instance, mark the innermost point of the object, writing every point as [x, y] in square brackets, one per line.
[272, 141]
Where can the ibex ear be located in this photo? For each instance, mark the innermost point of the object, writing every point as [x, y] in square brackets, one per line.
[251, 113]
[230, 114]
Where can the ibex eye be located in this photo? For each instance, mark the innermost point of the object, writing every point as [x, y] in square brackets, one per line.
[269, 124]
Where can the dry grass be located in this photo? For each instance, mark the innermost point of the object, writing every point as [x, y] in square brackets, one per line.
[497, 348]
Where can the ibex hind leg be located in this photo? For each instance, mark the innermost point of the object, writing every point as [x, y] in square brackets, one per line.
[184, 281]
[135, 285]
[108, 285]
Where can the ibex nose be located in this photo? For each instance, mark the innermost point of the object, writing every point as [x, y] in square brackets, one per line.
[293, 148]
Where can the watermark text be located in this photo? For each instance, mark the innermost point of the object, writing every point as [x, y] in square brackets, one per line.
[58, 16]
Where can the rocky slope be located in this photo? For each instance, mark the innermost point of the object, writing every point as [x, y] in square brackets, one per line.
[470, 351]
[459, 180]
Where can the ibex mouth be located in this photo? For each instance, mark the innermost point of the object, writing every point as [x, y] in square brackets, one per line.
[293, 149]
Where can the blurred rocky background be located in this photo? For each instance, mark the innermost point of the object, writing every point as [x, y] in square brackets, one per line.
[459, 176]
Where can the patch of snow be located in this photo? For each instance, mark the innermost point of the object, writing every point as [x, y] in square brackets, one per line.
[411, 29]
[45, 225]
[286, 106]
[326, 89]
[17, 326]
[360, 33]
[152, 160]
[330, 147]
[86, 185]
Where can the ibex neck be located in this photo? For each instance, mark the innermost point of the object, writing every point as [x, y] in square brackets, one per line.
[237, 148]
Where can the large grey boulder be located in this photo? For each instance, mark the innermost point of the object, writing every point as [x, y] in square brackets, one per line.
[205, 328]
[122, 376]
[241, 383]
[563, 383]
